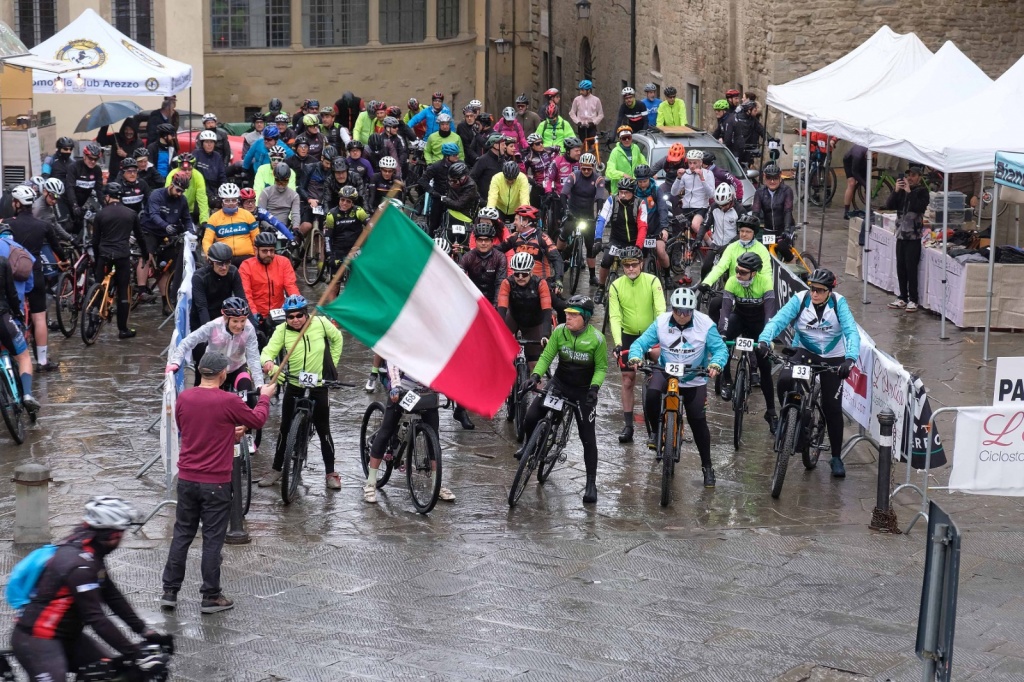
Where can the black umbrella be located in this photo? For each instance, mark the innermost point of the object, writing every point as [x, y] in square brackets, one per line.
[107, 113]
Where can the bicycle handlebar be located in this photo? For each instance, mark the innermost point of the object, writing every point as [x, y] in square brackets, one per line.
[324, 383]
[650, 368]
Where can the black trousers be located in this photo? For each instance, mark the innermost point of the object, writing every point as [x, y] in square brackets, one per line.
[695, 404]
[321, 420]
[584, 424]
[209, 503]
[389, 427]
[735, 327]
[122, 278]
[908, 256]
[831, 395]
[52, 659]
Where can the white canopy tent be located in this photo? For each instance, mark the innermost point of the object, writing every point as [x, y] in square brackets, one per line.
[110, 62]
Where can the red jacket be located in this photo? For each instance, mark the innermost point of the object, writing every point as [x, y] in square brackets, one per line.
[267, 285]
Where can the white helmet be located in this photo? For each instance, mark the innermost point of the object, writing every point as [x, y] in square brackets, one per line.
[53, 186]
[695, 155]
[533, 138]
[443, 118]
[724, 193]
[475, 104]
[628, 91]
[228, 190]
[683, 299]
[588, 159]
[207, 135]
[209, 117]
[38, 181]
[488, 212]
[24, 195]
[443, 244]
[106, 512]
[388, 162]
[522, 262]
[509, 114]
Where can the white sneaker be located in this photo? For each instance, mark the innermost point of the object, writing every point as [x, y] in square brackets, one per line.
[911, 307]
[446, 495]
[899, 304]
[370, 493]
[334, 480]
[270, 479]
[371, 384]
[252, 446]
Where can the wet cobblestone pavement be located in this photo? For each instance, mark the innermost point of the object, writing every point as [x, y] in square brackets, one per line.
[722, 585]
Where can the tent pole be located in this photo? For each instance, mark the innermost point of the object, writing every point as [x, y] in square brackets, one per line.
[1016, 220]
[991, 269]
[821, 231]
[807, 189]
[945, 254]
[866, 230]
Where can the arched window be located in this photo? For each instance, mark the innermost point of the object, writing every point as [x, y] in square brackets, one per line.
[586, 60]
[656, 60]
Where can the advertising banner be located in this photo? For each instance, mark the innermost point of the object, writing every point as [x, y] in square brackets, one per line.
[988, 457]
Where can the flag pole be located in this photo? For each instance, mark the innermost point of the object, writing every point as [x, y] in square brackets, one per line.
[336, 280]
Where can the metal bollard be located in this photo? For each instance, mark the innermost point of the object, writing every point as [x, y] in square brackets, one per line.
[883, 518]
[237, 534]
[31, 503]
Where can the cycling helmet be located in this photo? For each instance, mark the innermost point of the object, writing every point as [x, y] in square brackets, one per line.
[695, 155]
[24, 195]
[588, 160]
[394, 112]
[551, 92]
[389, 163]
[522, 99]
[271, 133]
[521, 262]
[184, 159]
[443, 118]
[643, 172]
[748, 106]
[209, 117]
[529, 212]
[371, 106]
[165, 129]
[509, 114]
[494, 138]
[282, 171]
[676, 153]
[683, 299]
[92, 150]
[628, 184]
[219, 252]
[484, 230]
[750, 261]
[475, 104]
[348, 192]
[329, 153]
[626, 91]
[772, 171]
[258, 116]
[390, 122]
[437, 95]
[630, 253]
[113, 189]
[310, 120]
[457, 171]
[295, 302]
[281, 118]
[721, 105]
[228, 190]
[105, 512]
[485, 119]
[533, 138]
[449, 149]
[234, 306]
[571, 143]
[709, 158]
[246, 193]
[339, 164]
[552, 110]
[275, 105]
[623, 131]
[749, 221]
[510, 169]
[670, 91]
[38, 181]
[277, 153]
[140, 153]
[354, 144]
[488, 212]
[56, 187]
[824, 277]
[650, 87]
[584, 305]
[585, 84]
[443, 244]
[725, 193]
[732, 93]
[65, 143]
[380, 106]
[265, 239]
[130, 163]
[207, 136]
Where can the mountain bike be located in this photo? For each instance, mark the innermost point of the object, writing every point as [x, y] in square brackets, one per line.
[415, 447]
[243, 450]
[311, 258]
[10, 398]
[822, 180]
[457, 227]
[100, 302]
[613, 274]
[117, 669]
[299, 433]
[650, 263]
[683, 253]
[884, 184]
[69, 293]
[515, 404]
[744, 349]
[783, 249]
[576, 252]
[546, 446]
[802, 422]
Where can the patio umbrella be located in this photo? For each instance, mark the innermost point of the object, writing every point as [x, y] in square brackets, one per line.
[107, 113]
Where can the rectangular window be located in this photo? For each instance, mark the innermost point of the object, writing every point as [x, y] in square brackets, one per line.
[134, 18]
[693, 105]
[403, 21]
[237, 24]
[334, 23]
[447, 19]
[35, 20]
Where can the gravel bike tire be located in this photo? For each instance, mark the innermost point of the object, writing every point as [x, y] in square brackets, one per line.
[669, 428]
[739, 400]
[423, 467]
[91, 319]
[547, 461]
[791, 427]
[245, 469]
[528, 462]
[368, 427]
[521, 401]
[811, 451]
[577, 262]
[294, 456]
[65, 305]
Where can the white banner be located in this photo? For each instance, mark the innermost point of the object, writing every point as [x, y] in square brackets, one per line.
[889, 386]
[169, 442]
[857, 387]
[988, 457]
[1009, 387]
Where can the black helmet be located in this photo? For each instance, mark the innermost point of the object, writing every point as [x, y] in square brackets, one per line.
[235, 306]
[139, 153]
[354, 144]
[266, 239]
[457, 171]
[670, 91]
[130, 162]
[259, 116]
[275, 105]
[630, 253]
[709, 158]
[65, 143]
[571, 143]
[113, 189]
[485, 119]
[484, 230]
[282, 171]
[628, 184]
[642, 172]
[510, 169]
[164, 129]
[824, 277]
[750, 261]
[92, 150]
[329, 153]
[339, 164]
[749, 220]
[772, 170]
[522, 99]
[582, 303]
[219, 252]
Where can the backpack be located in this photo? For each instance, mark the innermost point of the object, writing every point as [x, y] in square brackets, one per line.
[21, 262]
[22, 584]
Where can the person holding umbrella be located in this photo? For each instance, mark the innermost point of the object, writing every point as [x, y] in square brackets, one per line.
[122, 144]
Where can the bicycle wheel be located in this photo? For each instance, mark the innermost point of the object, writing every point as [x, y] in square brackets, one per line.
[810, 260]
[830, 186]
[11, 407]
[521, 402]
[985, 204]
[294, 456]
[815, 431]
[532, 454]
[245, 468]
[314, 258]
[373, 417]
[816, 189]
[65, 304]
[91, 318]
[423, 468]
[669, 426]
[790, 426]
[577, 263]
[548, 460]
[739, 400]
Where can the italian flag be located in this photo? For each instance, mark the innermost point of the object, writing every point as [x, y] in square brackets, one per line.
[409, 302]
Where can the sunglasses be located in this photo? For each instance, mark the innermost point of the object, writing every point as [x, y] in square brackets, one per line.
[523, 275]
[626, 138]
[631, 264]
[819, 290]
[483, 239]
[741, 272]
[219, 263]
[295, 316]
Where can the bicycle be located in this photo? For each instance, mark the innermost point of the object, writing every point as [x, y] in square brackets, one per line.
[311, 257]
[117, 669]
[883, 187]
[10, 399]
[822, 182]
[515, 406]
[299, 433]
[683, 252]
[651, 264]
[669, 437]
[576, 250]
[781, 248]
[457, 228]
[69, 293]
[546, 446]
[100, 301]
[802, 422]
[741, 385]
[414, 449]
[243, 450]
[613, 274]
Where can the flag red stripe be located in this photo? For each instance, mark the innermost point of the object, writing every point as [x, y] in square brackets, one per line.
[480, 372]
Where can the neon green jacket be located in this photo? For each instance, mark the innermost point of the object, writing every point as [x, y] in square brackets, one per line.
[727, 261]
[620, 165]
[633, 305]
[432, 153]
[196, 192]
[265, 178]
[671, 114]
[554, 134]
[363, 128]
[309, 353]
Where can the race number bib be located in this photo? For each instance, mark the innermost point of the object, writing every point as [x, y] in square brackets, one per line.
[744, 345]
[676, 369]
[649, 243]
[767, 239]
[773, 145]
[308, 379]
[318, 210]
[192, 245]
[553, 402]
[277, 315]
[458, 229]
[613, 251]
[409, 400]
[802, 372]
[522, 353]
[243, 394]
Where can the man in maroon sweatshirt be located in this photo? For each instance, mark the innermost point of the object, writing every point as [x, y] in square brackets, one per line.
[209, 421]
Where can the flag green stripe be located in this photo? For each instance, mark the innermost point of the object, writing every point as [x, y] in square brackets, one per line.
[385, 272]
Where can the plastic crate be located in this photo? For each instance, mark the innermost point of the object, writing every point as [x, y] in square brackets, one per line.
[957, 201]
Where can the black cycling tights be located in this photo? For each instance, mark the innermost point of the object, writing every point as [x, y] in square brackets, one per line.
[584, 425]
[831, 394]
[695, 403]
[49, 660]
[389, 427]
[122, 278]
[321, 420]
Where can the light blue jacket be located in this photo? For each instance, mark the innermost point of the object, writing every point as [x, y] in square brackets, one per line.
[835, 335]
[697, 345]
[257, 154]
[430, 116]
